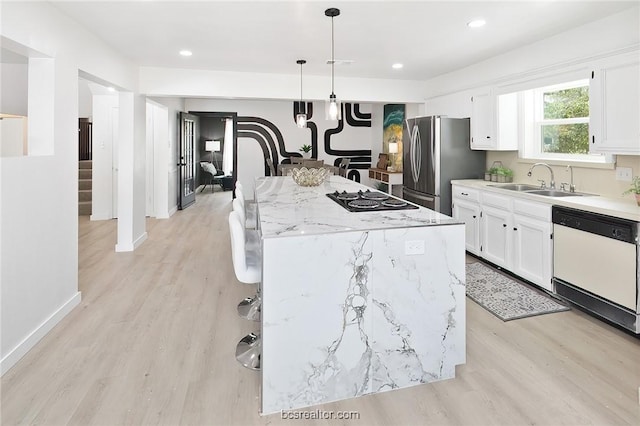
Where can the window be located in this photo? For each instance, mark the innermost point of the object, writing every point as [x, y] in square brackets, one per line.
[555, 122]
[562, 118]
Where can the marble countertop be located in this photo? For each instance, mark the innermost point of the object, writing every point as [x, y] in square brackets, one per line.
[286, 209]
[617, 207]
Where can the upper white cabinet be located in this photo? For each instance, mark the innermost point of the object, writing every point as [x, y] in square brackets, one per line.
[486, 132]
[614, 103]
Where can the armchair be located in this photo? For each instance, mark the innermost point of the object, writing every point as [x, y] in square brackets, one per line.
[215, 175]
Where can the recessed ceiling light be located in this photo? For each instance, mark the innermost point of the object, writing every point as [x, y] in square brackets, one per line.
[186, 53]
[111, 89]
[397, 66]
[476, 23]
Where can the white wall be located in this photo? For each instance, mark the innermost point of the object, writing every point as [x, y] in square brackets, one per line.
[39, 210]
[85, 99]
[13, 86]
[174, 106]
[131, 171]
[614, 32]
[572, 49]
[241, 85]
[105, 115]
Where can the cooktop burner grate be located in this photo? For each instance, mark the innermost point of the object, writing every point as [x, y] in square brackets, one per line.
[368, 201]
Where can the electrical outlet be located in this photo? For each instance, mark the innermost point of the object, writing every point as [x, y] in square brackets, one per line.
[624, 174]
[414, 247]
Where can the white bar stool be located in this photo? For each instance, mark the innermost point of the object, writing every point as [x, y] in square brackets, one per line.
[249, 307]
[250, 209]
[247, 265]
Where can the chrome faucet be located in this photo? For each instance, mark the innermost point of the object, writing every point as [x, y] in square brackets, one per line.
[552, 184]
[572, 187]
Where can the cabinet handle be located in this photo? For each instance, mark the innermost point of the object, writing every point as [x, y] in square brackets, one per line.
[593, 139]
[463, 193]
[515, 229]
[488, 137]
[504, 225]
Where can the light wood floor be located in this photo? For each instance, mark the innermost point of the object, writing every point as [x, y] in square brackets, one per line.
[153, 343]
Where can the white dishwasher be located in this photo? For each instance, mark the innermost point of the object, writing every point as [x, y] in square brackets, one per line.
[596, 264]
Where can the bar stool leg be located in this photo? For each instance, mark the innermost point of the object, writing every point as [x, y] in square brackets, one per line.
[249, 351]
[250, 308]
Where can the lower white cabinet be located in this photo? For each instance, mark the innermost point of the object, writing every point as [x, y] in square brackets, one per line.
[532, 250]
[469, 213]
[508, 231]
[496, 241]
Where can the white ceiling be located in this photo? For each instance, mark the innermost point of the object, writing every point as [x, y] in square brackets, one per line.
[429, 37]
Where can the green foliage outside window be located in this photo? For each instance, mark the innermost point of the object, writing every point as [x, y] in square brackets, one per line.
[570, 138]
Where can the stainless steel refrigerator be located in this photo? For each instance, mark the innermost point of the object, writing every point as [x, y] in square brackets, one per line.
[436, 151]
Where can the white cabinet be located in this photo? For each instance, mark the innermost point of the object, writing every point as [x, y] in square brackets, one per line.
[487, 132]
[507, 231]
[465, 206]
[482, 120]
[469, 213]
[532, 250]
[614, 103]
[496, 241]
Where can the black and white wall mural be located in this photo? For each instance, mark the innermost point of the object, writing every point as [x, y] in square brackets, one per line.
[272, 143]
[267, 129]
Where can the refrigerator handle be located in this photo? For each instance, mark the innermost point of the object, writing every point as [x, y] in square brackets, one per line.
[433, 143]
[415, 153]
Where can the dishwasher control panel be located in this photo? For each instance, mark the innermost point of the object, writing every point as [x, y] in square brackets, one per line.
[607, 226]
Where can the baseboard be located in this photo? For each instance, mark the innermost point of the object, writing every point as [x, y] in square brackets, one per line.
[100, 217]
[141, 239]
[36, 335]
[122, 247]
[173, 210]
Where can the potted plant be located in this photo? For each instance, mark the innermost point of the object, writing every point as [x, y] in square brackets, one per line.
[504, 174]
[493, 172]
[489, 172]
[306, 151]
[635, 189]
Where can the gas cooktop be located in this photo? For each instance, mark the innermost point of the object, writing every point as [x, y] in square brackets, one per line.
[367, 201]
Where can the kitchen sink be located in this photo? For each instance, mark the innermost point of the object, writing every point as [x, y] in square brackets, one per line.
[516, 187]
[554, 193]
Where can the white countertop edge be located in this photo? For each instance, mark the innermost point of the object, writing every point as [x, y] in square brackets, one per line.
[621, 208]
[342, 231]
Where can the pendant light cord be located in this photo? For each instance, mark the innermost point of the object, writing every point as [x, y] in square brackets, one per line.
[301, 83]
[333, 61]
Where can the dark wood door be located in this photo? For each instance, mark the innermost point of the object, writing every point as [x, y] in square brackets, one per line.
[189, 133]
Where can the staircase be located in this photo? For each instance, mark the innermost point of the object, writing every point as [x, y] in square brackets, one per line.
[84, 187]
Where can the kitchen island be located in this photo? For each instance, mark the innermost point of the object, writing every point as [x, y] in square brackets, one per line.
[354, 303]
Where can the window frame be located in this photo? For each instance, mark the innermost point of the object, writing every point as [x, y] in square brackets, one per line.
[531, 122]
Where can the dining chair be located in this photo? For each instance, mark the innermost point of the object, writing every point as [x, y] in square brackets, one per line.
[295, 160]
[272, 168]
[342, 168]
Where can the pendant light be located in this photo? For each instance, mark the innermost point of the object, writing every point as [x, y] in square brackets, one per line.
[301, 117]
[333, 110]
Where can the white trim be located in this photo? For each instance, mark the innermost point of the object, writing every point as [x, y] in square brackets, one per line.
[173, 210]
[502, 83]
[123, 247]
[141, 239]
[34, 337]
